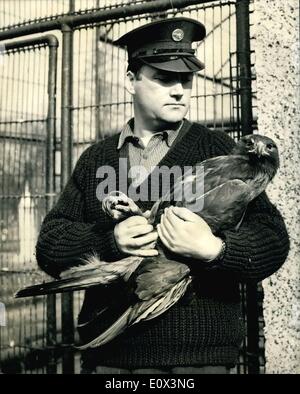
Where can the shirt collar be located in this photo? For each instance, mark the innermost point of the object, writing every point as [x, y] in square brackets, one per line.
[127, 134]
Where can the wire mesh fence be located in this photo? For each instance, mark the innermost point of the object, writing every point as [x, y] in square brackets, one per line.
[23, 147]
[100, 107]
[14, 13]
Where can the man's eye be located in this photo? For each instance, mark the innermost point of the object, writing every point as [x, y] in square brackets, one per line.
[163, 79]
[187, 80]
[167, 79]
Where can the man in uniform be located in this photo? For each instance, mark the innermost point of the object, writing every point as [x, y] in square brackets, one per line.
[202, 333]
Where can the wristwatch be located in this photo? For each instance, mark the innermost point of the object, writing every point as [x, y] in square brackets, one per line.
[222, 251]
[221, 254]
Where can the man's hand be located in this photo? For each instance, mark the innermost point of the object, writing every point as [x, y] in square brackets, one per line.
[187, 234]
[136, 237]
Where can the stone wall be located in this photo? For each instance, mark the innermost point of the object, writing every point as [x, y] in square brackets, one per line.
[276, 25]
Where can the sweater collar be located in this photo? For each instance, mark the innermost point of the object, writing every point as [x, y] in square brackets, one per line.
[127, 134]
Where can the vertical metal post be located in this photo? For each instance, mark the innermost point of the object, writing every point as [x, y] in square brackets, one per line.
[66, 102]
[50, 188]
[244, 64]
[246, 119]
[66, 169]
[97, 76]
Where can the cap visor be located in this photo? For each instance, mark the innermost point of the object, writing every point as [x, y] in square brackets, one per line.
[181, 65]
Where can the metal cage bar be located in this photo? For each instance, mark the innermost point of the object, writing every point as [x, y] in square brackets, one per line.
[246, 127]
[98, 16]
[244, 65]
[67, 300]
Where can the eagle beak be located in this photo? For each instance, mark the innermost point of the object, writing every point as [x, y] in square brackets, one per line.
[260, 149]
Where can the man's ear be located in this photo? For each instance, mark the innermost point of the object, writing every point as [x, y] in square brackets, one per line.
[129, 84]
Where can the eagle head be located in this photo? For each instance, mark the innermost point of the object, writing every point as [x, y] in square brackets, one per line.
[260, 149]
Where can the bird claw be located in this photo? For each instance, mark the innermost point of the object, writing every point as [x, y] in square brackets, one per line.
[119, 206]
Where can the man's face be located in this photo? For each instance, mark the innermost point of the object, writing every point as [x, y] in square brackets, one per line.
[161, 97]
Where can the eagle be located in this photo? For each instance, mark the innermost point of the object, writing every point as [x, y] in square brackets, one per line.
[226, 185]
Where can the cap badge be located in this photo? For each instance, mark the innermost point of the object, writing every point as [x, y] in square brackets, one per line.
[177, 35]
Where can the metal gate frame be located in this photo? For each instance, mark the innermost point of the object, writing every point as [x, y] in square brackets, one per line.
[66, 25]
[51, 42]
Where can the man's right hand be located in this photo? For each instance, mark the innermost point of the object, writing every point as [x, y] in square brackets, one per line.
[136, 237]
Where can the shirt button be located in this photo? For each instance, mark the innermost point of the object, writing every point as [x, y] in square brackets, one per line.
[145, 156]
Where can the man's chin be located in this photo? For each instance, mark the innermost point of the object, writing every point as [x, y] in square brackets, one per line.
[173, 118]
[168, 125]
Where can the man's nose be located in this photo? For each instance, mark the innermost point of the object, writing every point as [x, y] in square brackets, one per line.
[177, 89]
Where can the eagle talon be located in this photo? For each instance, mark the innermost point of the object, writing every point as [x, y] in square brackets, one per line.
[119, 206]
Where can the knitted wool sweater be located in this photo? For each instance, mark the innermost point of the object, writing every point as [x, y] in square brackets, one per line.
[205, 327]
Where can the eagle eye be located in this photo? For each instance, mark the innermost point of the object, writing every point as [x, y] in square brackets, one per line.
[249, 143]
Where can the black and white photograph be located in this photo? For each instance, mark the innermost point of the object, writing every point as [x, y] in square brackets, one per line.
[149, 189]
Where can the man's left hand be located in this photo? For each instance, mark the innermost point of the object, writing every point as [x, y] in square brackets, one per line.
[187, 234]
